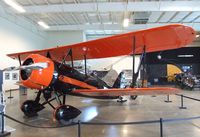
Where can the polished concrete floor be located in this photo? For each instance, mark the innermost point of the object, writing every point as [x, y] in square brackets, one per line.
[93, 110]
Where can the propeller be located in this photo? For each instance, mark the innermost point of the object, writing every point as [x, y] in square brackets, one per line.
[34, 66]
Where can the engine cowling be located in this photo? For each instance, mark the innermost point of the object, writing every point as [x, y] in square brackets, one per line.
[37, 78]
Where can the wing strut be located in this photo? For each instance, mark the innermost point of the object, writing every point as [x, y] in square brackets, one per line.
[72, 60]
[19, 58]
[64, 59]
[142, 63]
[85, 63]
[133, 73]
[48, 55]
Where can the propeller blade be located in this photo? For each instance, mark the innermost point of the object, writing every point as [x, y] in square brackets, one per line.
[35, 66]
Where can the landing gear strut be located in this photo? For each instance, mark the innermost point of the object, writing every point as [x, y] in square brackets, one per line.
[65, 112]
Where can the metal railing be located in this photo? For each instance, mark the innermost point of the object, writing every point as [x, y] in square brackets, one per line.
[10, 91]
[79, 124]
[187, 97]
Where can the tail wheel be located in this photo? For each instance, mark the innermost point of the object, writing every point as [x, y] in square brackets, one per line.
[30, 108]
[121, 100]
[66, 112]
[133, 97]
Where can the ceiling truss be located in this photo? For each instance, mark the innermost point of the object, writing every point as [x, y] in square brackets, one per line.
[109, 15]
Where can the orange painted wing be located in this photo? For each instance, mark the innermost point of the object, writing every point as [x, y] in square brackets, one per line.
[128, 91]
[155, 39]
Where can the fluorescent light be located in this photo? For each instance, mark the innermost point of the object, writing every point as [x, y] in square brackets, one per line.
[185, 56]
[197, 36]
[126, 22]
[15, 5]
[43, 24]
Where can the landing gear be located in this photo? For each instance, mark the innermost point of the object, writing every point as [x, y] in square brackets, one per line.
[30, 108]
[121, 100]
[66, 112]
[62, 112]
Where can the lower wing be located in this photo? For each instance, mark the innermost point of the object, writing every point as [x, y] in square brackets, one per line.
[128, 91]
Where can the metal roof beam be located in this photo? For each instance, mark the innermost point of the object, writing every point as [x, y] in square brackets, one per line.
[196, 26]
[116, 6]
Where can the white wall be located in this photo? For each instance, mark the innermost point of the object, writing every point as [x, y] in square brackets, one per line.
[14, 39]
[10, 83]
[61, 38]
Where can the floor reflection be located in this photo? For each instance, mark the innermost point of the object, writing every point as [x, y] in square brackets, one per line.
[87, 100]
[93, 110]
[113, 132]
[88, 113]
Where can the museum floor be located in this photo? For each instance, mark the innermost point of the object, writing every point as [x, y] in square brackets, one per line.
[143, 108]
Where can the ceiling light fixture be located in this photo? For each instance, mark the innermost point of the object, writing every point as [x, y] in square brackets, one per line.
[15, 5]
[43, 24]
[197, 36]
[126, 22]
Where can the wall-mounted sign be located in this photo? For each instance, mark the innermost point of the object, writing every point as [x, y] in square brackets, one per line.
[7, 76]
[14, 76]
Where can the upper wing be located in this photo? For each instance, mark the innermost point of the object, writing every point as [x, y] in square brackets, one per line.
[128, 91]
[155, 39]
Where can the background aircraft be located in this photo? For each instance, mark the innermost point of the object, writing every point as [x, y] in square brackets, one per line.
[47, 71]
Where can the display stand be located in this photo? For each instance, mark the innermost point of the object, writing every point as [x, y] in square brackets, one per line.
[4, 129]
[3, 132]
[168, 100]
[10, 96]
[182, 106]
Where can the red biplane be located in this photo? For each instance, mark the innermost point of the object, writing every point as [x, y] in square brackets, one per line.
[47, 71]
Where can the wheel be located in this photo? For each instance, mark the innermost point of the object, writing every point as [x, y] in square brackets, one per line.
[66, 113]
[121, 100]
[30, 108]
[133, 97]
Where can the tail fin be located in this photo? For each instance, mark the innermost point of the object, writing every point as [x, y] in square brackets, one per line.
[117, 83]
